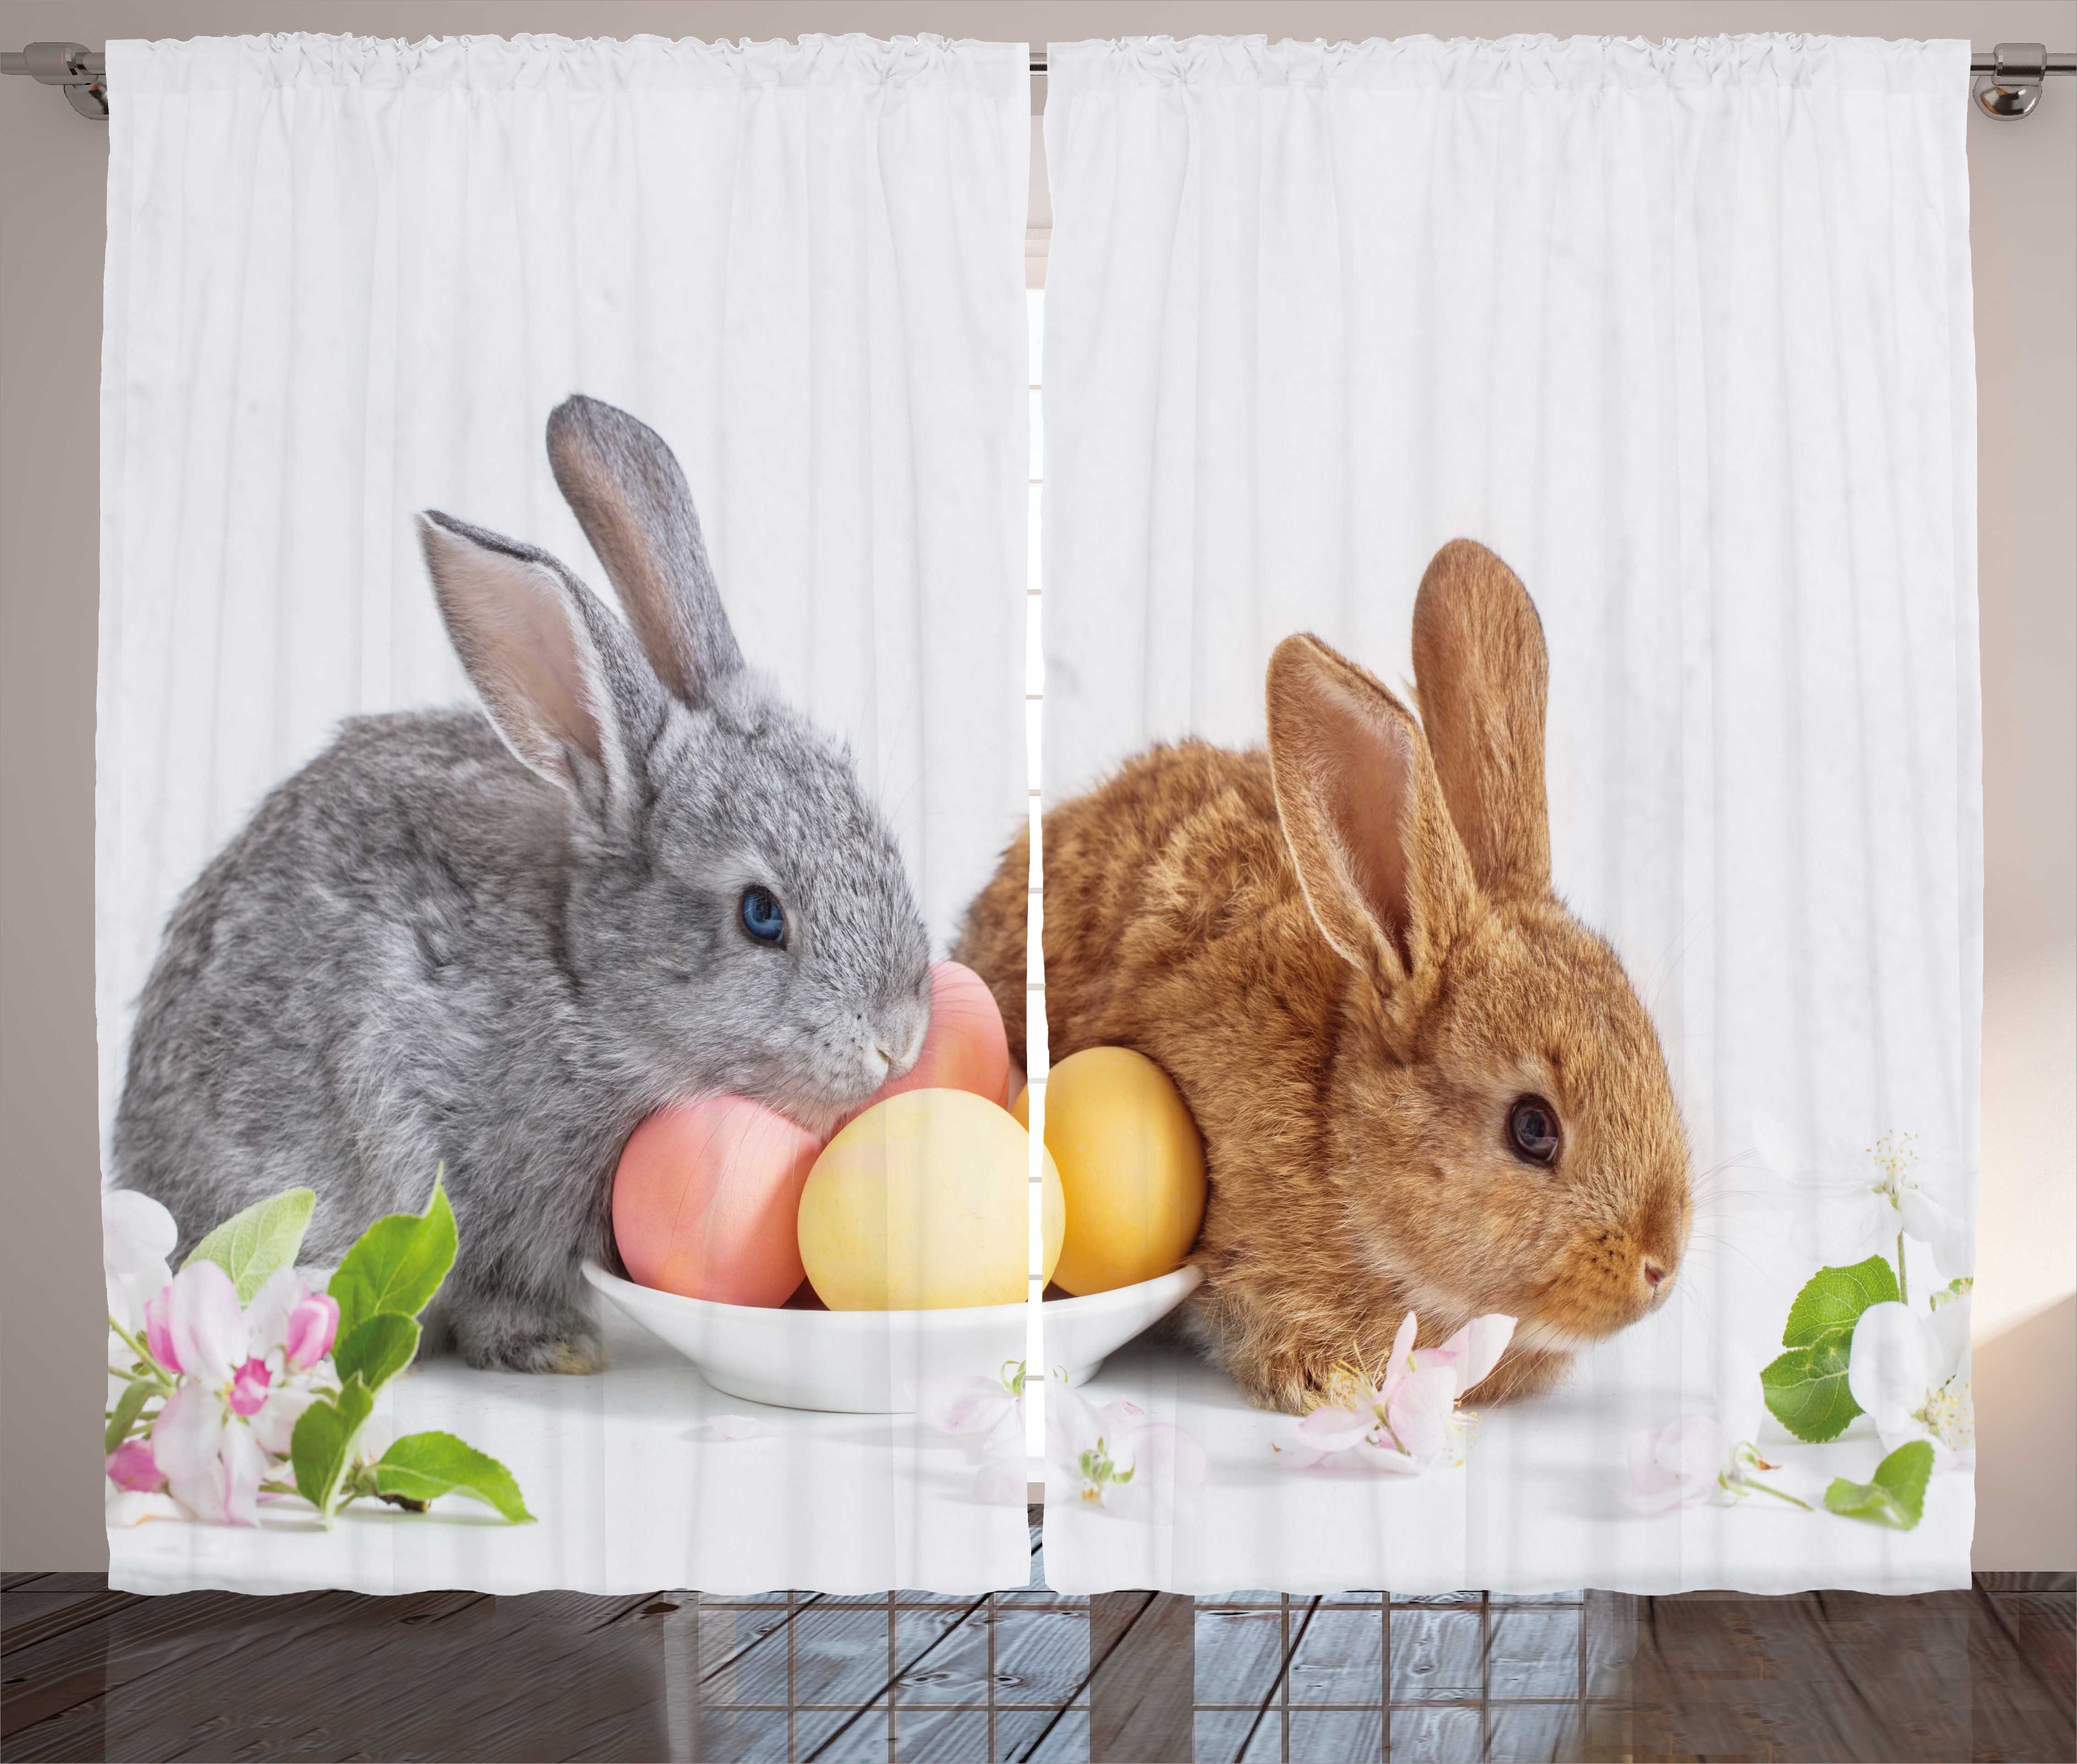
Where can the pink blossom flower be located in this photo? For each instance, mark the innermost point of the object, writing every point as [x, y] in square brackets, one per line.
[992, 1410]
[236, 1409]
[312, 1328]
[1675, 1465]
[992, 1407]
[131, 1465]
[204, 1325]
[273, 1423]
[1109, 1455]
[1703, 1457]
[289, 1330]
[213, 1466]
[1472, 1353]
[272, 1312]
[1410, 1415]
[158, 1334]
[248, 1387]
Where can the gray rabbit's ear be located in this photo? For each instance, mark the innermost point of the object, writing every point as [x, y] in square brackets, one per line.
[557, 676]
[633, 502]
[1482, 674]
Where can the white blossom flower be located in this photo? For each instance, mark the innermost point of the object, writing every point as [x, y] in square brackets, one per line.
[1868, 1194]
[1911, 1372]
[137, 1236]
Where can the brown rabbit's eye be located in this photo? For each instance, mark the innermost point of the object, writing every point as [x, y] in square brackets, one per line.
[1532, 1129]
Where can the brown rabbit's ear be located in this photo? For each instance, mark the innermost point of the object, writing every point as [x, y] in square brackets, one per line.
[1482, 675]
[1383, 871]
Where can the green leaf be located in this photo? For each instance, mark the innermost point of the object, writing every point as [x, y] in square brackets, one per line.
[322, 1442]
[1953, 1293]
[378, 1350]
[423, 1466]
[1896, 1497]
[128, 1407]
[1806, 1389]
[398, 1265]
[1834, 1298]
[261, 1241]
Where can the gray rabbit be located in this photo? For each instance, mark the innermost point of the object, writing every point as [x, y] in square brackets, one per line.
[497, 942]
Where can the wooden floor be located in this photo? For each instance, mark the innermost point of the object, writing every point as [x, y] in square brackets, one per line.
[91, 1673]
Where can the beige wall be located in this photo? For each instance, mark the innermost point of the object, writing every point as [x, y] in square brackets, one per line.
[53, 168]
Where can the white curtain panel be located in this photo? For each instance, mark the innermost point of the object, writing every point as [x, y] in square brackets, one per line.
[348, 280]
[1683, 333]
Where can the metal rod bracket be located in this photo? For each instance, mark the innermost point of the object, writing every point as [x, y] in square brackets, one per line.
[2012, 88]
[80, 72]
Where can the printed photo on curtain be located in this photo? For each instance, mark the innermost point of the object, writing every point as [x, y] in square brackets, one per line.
[563, 532]
[1511, 850]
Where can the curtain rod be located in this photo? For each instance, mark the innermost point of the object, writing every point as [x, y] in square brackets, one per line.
[2009, 78]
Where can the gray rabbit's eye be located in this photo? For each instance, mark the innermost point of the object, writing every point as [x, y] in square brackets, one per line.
[1532, 1130]
[763, 917]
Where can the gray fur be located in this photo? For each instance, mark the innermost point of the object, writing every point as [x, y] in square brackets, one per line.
[423, 950]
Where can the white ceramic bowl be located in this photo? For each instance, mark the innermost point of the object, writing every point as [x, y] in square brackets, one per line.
[872, 1362]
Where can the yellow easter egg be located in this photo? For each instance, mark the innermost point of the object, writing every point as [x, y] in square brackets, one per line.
[923, 1203]
[1132, 1166]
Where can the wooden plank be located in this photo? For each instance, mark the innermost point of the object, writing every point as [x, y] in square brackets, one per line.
[77, 1736]
[47, 1678]
[1836, 1676]
[545, 1675]
[1143, 1677]
[2045, 1580]
[1027, 1657]
[33, 1615]
[2023, 1665]
[172, 1656]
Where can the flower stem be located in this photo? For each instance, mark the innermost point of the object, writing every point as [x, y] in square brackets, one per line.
[1778, 1494]
[1902, 1285]
[136, 1347]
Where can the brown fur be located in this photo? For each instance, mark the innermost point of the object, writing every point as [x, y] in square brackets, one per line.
[1346, 953]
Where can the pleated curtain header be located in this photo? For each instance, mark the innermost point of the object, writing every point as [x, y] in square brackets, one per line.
[636, 64]
[1518, 63]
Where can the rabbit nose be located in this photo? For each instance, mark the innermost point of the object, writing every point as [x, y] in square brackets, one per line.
[901, 1047]
[1654, 1274]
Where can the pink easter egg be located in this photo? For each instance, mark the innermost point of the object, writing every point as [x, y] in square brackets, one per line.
[706, 1199]
[965, 1049]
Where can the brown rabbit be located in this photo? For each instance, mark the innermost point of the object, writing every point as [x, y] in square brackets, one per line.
[1421, 1081]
